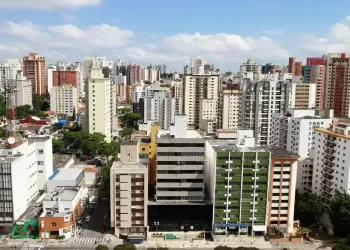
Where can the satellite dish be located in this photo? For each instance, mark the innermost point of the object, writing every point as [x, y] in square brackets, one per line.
[11, 140]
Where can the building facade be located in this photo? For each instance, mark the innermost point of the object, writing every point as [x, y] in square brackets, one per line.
[129, 195]
[331, 162]
[67, 76]
[24, 95]
[64, 99]
[197, 87]
[34, 68]
[229, 110]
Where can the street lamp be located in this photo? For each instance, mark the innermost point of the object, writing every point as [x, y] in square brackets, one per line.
[156, 223]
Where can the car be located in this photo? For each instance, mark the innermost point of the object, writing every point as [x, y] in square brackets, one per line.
[88, 218]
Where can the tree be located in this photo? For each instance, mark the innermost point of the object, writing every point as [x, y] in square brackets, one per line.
[342, 245]
[57, 144]
[126, 246]
[308, 208]
[339, 214]
[24, 111]
[2, 133]
[125, 133]
[101, 247]
[130, 120]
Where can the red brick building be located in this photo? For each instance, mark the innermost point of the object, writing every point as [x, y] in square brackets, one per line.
[34, 68]
[68, 76]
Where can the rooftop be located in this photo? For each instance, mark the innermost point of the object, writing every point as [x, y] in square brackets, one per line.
[127, 165]
[61, 160]
[63, 194]
[66, 174]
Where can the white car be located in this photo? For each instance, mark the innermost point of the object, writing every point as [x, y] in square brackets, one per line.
[88, 218]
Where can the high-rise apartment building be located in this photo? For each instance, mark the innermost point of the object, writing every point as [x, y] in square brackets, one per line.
[208, 115]
[301, 95]
[229, 117]
[269, 68]
[9, 69]
[129, 196]
[180, 163]
[177, 93]
[195, 88]
[332, 161]
[197, 65]
[294, 131]
[295, 67]
[260, 99]
[49, 76]
[34, 68]
[64, 99]
[249, 66]
[24, 95]
[316, 74]
[337, 94]
[98, 102]
[159, 106]
[66, 76]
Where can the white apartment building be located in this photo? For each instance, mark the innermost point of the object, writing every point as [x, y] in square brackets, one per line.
[177, 92]
[129, 196]
[229, 114]
[250, 66]
[301, 95]
[208, 115]
[138, 92]
[260, 99]
[64, 99]
[195, 88]
[159, 106]
[24, 95]
[79, 66]
[332, 161]
[25, 170]
[49, 76]
[294, 131]
[9, 70]
[197, 65]
[98, 102]
[180, 163]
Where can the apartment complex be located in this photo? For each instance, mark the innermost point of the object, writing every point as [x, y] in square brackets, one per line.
[180, 163]
[331, 161]
[302, 95]
[64, 99]
[99, 103]
[295, 67]
[316, 74]
[260, 99]
[9, 69]
[195, 88]
[128, 196]
[24, 95]
[34, 68]
[208, 115]
[337, 95]
[177, 93]
[294, 130]
[250, 67]
[229, 109]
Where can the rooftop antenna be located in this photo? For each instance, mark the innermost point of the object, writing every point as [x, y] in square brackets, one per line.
[13, 138]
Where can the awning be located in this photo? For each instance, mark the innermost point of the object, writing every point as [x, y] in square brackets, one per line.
[261, 228]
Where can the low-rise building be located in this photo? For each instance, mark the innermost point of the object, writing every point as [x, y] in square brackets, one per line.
[71, 177]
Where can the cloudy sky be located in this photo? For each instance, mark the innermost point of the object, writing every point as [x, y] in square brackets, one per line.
[225, 32]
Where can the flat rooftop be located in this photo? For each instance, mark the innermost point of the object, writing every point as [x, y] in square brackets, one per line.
[60, 161]
[66, 174]
[127, 165]
[230, 146]
[64, 194]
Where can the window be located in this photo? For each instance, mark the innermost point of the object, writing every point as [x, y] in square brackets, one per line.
[40, 171]
[53, 224]
[41, 151]
[40, 163]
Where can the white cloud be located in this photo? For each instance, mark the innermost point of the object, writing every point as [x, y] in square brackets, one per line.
[273, 32]
[47, 4]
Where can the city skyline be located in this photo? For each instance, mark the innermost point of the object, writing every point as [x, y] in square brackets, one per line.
[172, 33]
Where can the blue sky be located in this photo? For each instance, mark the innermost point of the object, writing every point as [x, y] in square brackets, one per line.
[225, 32]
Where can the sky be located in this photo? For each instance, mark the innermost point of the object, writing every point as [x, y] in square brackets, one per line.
[224, 32]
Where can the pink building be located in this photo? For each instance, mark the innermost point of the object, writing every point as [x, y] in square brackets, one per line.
[317, 75]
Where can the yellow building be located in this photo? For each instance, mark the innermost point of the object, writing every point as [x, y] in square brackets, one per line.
[148, 148]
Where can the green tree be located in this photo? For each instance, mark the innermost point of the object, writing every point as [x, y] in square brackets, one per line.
[2, 133]
[308, 208]
[101, 247]
[125, 133]
[342, 245]
[57, 144]
[130, 120]
[24, 111]
[2, 106]
[123, 111]
[126, 246]
[339, 214]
